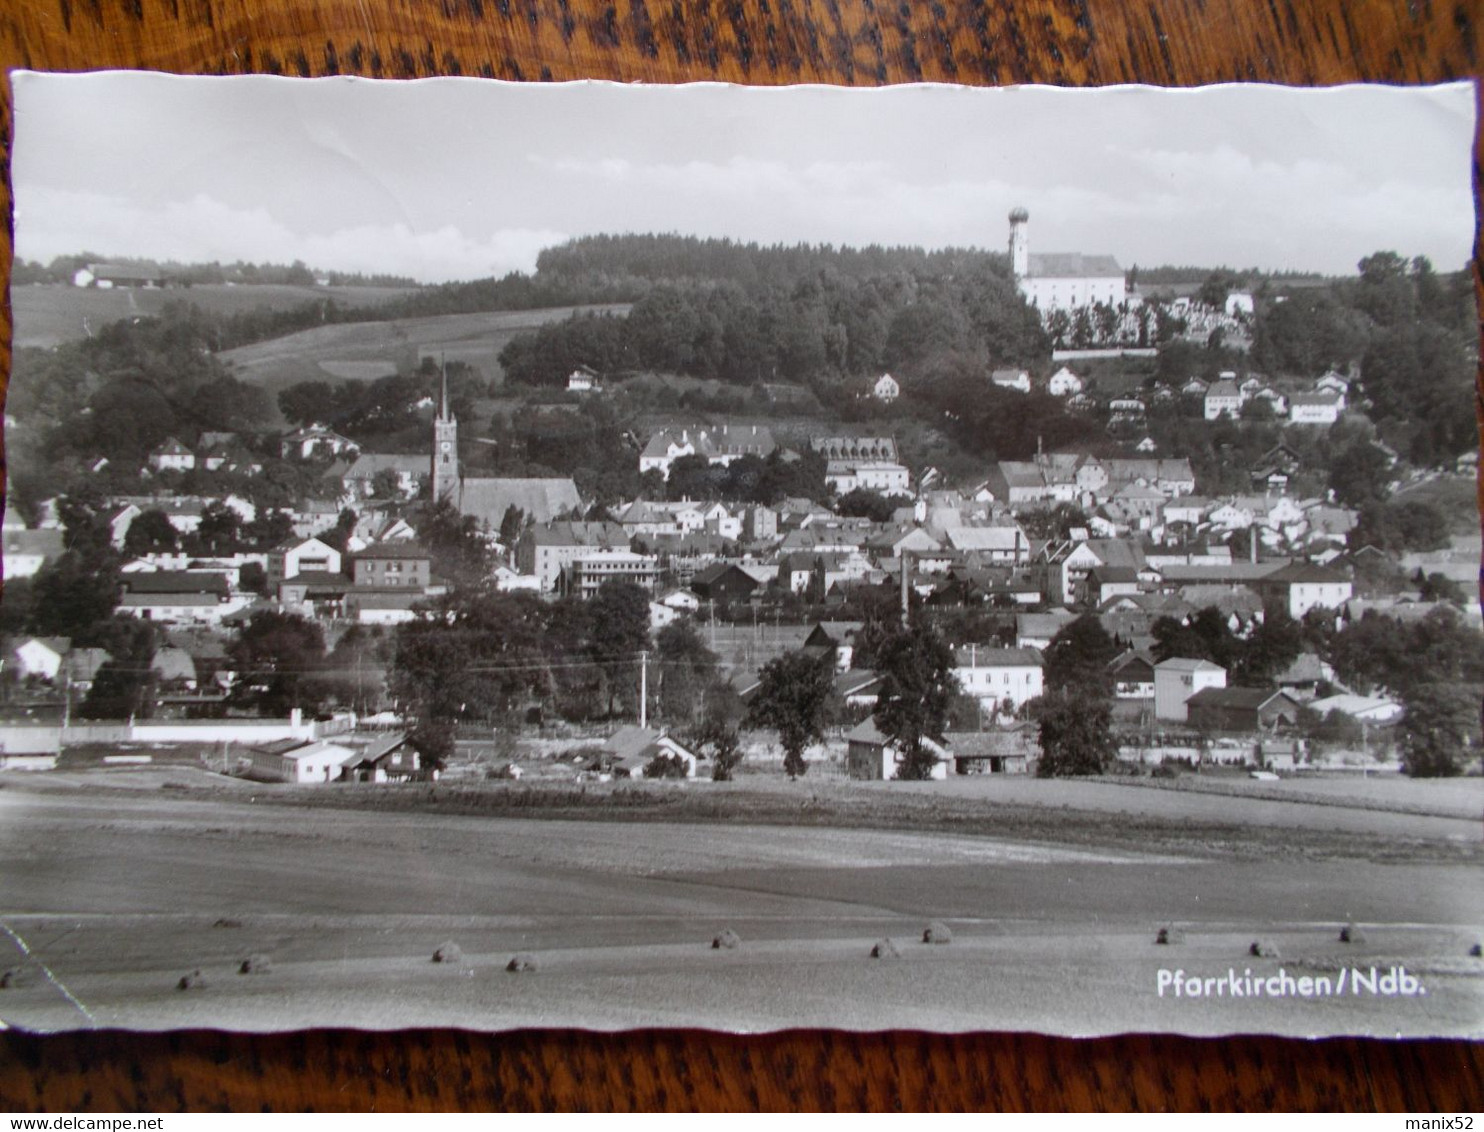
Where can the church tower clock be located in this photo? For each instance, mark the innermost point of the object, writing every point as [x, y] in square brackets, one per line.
[445, 450]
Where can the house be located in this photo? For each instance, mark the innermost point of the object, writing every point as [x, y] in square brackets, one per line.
[884, 477]
[26, 552]
[1016, 379]
[293, 557]
[1133, 675]
[392, 564]
[630, 749]
[588, 573]
[1105, 582]
[1006, 751]
[1223, 398]
[315, 440]
[583, 379]
[1302, 678]
[1239, 304]
[723, 583]
[373, 607]
[858, 687]
[1064, 383]
[1241, 709]
[358, 478]
[837, 637]
[1367, 709]
[1322, 408]
[987, 545]
[1035, 630]
[886, 389]
[1333, 382]
[509, 581]
[172, 456]
[717, 446]
[1178, 679]
[681, 600]
[1302, 586]
[999, 676]
[105, 276]
[41, 657]
[544, 551]
[298, 761]
[389, 758]
[871, 756]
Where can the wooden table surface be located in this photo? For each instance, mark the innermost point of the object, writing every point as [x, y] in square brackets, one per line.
[857, 42]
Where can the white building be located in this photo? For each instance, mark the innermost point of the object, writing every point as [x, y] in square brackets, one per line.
[41, 656]
[885, 477]
[993, 676]
[172, 456]
[886, 389]
[294, 760]
[717, 446]
[1322, 408]
[1065, 281]
[1177, 679]
[1223, 398]
[1017, 379]
[294, 557]
[1303, 586]
[1064, 383]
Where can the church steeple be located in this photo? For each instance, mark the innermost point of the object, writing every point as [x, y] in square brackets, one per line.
[445, 447]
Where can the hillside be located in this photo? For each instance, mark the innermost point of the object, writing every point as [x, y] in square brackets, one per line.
[48, 314]
[367, 350]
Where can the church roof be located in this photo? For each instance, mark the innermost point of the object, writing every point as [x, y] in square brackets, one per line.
[1073, 265]
[542, 500]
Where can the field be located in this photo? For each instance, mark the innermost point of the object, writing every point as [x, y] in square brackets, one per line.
[372, 349]
[48, 315]
[1053, 891]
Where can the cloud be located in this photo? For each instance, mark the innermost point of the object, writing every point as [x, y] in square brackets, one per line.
[52, 222]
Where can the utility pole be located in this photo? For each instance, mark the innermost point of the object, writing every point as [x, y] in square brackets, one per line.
[644, 688]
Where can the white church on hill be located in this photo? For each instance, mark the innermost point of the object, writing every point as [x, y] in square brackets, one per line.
[1062, 280]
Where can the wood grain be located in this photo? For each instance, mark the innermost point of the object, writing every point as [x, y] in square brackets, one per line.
[860, 42]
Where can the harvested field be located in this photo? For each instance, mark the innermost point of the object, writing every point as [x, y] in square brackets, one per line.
[48, 315]
[368, 349]
[118, 892]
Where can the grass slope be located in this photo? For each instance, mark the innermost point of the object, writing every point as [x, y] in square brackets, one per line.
[47, 315]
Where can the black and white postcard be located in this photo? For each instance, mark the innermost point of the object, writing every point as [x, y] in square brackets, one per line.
[501, 555]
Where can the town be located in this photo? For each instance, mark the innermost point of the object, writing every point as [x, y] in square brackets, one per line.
[1088, 521]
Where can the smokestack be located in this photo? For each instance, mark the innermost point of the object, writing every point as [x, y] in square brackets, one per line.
[906, 602]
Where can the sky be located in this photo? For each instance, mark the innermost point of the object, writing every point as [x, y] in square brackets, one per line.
[445, 179]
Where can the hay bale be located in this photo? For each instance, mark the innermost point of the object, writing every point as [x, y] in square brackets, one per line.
[191, 981]
[1351, 933]
[522, 964]
[937, 932]
[1264, 949]
[448, 952]
[885, 949]
[255, 965]
[1168, 935]
[726, 939]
